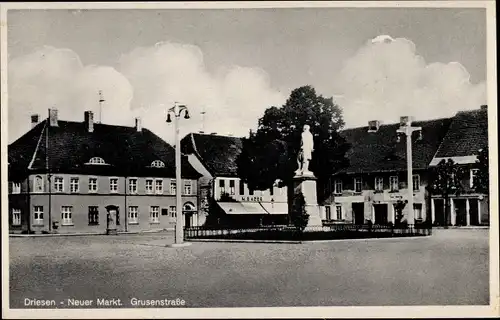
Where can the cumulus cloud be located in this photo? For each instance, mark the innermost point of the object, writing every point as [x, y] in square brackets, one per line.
[146, 82]
[386, 78]
[56, 78]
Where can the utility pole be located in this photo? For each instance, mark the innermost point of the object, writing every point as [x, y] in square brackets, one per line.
[407, 129]
[101, 100]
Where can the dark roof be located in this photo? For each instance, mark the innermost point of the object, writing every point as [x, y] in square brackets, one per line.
[71, 146]
[468, 134]
[379, 151]
[217, 153]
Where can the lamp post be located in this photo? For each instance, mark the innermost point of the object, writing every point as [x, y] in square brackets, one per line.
[177, 110]
[407, 129]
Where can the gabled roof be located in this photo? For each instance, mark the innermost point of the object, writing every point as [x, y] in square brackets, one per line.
[125, 151]
[217, 153]
[468, 134]
[379, 151]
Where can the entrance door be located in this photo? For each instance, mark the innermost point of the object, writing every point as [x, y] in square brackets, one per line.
[473, 212]
[438, 212]
[380, 213]
[461, 212]
[358, 212]
[187, 220]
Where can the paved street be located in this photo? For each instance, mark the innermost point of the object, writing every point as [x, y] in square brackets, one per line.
[448, 268]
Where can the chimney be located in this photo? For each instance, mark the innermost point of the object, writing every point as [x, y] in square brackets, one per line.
[138, 125]
[373, 125]
[484, 107]
[35, 118]
[53, 117]
[89, 121]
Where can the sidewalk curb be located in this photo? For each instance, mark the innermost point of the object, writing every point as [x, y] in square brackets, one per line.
[37, 235]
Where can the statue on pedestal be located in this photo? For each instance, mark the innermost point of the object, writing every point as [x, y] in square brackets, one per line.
[305, 153]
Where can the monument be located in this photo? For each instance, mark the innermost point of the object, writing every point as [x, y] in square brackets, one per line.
[304, 180]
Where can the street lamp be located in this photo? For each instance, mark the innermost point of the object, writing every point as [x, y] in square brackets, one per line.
[407, 129]
[176, 111]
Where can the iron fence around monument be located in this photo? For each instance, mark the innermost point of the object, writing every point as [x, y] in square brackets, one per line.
[329, 232]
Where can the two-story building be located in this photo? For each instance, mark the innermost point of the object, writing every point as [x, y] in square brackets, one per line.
[467, 135]
[214, 157]
[63, 175]
[376, 179]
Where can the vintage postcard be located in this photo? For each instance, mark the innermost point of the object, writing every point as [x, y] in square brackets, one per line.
[249, 159]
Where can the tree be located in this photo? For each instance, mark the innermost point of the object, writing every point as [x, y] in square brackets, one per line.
[399, 207]
[481, 181]
[270, 154]
[298, 214]
[446, 181]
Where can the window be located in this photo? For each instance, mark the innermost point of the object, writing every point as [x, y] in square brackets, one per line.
[187, 187]
[92, 184]
[158, 164]
[66, 215]
[231, 187]
[173, 211]
[164, 211]
[358, 185]
[416, 182]
[74, 185]
[242, 188]
[338, 210]
[97, 160]
[93, 216]
[16, 187]
[337, 186]
[132, 185]
[113, 185]
[379, 183]
[328, 213]
[133, 213]
[173, 187]
[159, 186]
[149, 186]
[16, 217]
[473, 177]
[222, 187]
[38, 215]
[58, 184]
[271, 191]
[394, 183]
[417, 211]
[154, 214]
[250, 192]
[38, 184]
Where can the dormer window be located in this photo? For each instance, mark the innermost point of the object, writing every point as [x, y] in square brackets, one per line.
[96, 160]
[157, 164]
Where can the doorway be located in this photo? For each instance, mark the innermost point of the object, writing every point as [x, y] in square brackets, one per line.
[474, 212]
[380, 213]
[358, 212]
[461, 212]
[438, 212]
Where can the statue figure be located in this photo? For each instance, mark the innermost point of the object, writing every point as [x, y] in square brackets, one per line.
[305, 153]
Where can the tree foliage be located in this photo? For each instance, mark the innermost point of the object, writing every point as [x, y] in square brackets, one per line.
[481, 181]
[298, 214]
[446, 180]
[270, 153]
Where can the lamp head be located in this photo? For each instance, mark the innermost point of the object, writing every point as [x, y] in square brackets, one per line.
[169, 119]
[186, 114]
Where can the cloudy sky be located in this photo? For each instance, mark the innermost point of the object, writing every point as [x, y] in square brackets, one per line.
[233, 64]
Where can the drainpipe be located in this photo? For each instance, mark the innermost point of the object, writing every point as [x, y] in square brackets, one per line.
[125, 208]
[49, 176]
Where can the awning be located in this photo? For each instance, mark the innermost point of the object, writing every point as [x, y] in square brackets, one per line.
[254, 208]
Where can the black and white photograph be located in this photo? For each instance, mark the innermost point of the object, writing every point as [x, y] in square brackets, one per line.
[244, 159]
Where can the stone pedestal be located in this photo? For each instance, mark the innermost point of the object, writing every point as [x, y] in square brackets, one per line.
[307, 185]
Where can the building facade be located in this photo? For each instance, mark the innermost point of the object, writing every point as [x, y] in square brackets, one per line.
[375, 183]
[226, 198]
[63, 175]
[467, 136]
